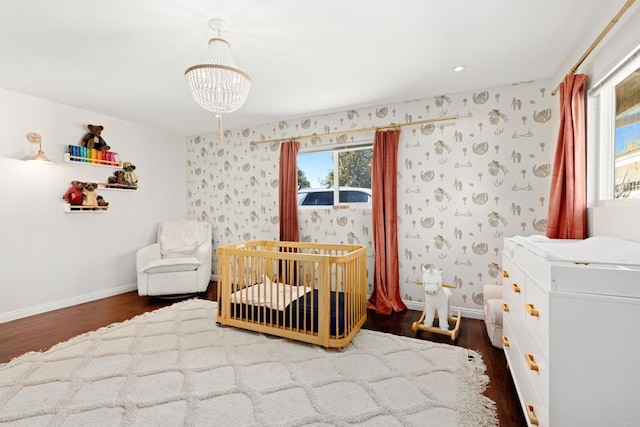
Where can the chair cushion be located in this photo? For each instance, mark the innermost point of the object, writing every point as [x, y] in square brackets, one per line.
[179, 236]
[493, 312]
[168, 265]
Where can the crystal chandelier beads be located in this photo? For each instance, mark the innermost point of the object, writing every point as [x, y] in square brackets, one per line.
[216, 84]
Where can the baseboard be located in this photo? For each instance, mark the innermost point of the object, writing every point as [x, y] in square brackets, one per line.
[472, 313]
[55, 305]
[43, 308]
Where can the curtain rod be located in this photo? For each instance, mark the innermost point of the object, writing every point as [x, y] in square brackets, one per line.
[389, 126]
[598, 39]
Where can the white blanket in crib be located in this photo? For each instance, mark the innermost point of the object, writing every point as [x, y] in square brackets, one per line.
[597, 249]
[268, 294]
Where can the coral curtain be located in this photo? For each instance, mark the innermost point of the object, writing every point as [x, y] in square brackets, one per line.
[385, 297]
[567, 218]
[288, 197]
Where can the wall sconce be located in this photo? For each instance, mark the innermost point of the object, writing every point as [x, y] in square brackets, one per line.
[35, 138]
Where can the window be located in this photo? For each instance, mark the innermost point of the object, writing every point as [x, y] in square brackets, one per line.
[627, 138]
[618, 104]
[338, 176]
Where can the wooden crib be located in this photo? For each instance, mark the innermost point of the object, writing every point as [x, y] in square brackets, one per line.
[309, 292]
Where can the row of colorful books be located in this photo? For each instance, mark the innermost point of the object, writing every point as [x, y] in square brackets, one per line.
[91, 155]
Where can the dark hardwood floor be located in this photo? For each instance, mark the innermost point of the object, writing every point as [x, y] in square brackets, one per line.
[42, 331]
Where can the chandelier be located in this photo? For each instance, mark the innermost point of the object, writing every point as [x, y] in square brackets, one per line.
[217, 85]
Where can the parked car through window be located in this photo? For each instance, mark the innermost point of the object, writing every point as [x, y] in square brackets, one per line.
[324, 196]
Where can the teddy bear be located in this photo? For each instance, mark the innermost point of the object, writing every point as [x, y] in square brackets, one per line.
[94, 140]
[117, 178]
[130, 177]
[73, 196]
[90, 197]
[102, 202]
[436, 298]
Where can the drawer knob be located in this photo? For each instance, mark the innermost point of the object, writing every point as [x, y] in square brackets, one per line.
[532, 310]
[515, 288]
[505, 274]
[533, 420]
[505, 307]
[532, 365]
[505, 341]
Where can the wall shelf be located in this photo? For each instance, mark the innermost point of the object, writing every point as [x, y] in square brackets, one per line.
[81, 160]
[116, 187]
[84, 209]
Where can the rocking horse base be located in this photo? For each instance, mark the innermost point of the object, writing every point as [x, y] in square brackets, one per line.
[453, 333]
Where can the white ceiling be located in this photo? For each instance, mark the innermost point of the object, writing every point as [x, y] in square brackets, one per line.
[126, 58]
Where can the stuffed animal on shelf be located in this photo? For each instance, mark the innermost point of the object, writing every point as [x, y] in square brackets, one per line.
[73, 196]
[117, 178]
[436, 298]
[102, 202]
[130, 177]
[90, 198]
[94, 140]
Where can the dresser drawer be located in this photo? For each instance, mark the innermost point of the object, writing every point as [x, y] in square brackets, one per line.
[532, 405]
[536, 364]
[533, 266]
[536, 313]
[513, 283]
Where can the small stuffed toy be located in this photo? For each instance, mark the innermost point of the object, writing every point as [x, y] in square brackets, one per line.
[94, 140]
[117, 178]
[130, 177]
[102, 202]
[436, 298]
[90, 197]
[73, 196]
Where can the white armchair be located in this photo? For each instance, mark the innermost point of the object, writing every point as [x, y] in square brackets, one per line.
[493, 313]
[180, 261]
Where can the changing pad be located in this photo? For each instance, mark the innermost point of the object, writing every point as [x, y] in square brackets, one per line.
[598, 249]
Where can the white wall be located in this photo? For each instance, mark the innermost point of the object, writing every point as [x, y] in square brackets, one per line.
[49, 258]
[621, 40]
[616, 221]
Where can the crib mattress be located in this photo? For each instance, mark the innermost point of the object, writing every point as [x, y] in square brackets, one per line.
[301, 313]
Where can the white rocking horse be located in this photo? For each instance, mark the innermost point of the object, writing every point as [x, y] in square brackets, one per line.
[437, 298]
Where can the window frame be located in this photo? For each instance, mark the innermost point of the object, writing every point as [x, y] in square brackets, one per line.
[336, 150]
[601, 102]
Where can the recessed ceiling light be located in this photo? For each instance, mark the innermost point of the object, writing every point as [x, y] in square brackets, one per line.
[459, 68]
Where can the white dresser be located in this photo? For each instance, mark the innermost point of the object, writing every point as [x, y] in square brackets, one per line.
[572, 339]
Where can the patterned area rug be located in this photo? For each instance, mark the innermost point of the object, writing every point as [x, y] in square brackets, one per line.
[175, 367]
